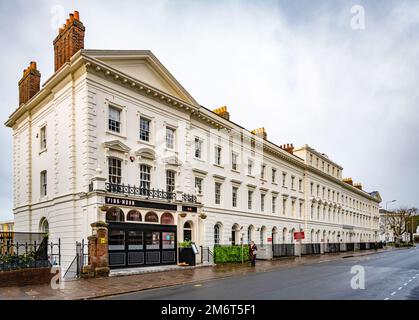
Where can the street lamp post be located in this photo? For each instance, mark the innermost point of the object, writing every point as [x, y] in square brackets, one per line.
[389, 202]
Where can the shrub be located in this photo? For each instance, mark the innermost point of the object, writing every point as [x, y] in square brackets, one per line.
[185, 244]
[225, 254]
[416, 239]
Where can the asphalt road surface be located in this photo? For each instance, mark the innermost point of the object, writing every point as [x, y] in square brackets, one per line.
[388, 276]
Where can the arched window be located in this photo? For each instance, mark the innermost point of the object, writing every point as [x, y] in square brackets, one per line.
[187, 231]
[217, 234]
[44, 225]
[234, 233]
[134, 215]
[249, 233]
[292, 235]
[274, 235]
[262, 236]
[167, 218]
[115, 214]
[151, 217]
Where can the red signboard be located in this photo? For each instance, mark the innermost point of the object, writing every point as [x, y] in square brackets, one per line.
[269, 239]
[299, 235]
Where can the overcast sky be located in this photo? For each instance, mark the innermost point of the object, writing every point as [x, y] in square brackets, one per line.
[297, 68]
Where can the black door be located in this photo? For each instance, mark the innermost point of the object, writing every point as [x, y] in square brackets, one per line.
[233, 237]
[138, 245]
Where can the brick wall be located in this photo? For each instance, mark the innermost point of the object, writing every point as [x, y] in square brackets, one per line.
[25, 277]
[69, 41]
[30, 83]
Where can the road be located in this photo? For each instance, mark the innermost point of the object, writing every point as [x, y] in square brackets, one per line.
[391, 275]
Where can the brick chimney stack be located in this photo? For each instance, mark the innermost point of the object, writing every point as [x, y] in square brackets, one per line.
[260, 132]
[69, 41]
[288, 147]
[30, 84]
[222, 111]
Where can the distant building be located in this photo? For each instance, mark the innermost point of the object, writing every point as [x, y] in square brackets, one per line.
[6, 226]
[386, 233]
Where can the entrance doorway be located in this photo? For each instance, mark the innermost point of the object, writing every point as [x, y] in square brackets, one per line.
[187, 232]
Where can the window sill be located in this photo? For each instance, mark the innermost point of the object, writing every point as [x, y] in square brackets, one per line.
[263, 180]
[236, 171]
[218, 165]
[148, 143]
[42, 151]
[250, 176]
[116, 134]
[274, 183]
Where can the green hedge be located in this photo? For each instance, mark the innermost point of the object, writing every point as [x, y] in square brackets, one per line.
[225, 254]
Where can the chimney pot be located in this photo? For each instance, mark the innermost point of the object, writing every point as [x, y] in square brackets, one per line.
[30, 83]
[69, 40]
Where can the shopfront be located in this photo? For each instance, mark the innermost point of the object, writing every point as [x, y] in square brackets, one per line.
[141, 233]
[139, 244]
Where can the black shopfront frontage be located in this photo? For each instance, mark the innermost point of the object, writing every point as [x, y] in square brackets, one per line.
[134, 242]
[140, 244]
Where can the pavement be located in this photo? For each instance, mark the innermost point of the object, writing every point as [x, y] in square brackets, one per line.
[285, 278]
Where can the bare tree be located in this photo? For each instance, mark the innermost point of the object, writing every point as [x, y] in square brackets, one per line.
[399, 220]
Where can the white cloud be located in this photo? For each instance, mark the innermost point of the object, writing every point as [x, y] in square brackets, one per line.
[308, 78]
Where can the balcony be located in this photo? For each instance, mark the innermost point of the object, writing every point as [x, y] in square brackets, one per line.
[149, 193]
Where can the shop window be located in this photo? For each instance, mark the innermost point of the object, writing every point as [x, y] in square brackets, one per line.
[168, 241]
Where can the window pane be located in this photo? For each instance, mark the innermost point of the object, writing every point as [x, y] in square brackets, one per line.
[116, 240]
[135, 240]
[170, 181]
[144, 129]
[170, 138]
[115, 171]
[114, 119]
[168, 241]
[145, 178]
[152, 240]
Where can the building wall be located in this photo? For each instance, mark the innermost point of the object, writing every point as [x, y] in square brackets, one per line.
[76, 116]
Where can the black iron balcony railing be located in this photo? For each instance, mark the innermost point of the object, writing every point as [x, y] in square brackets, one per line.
[188, 198]
[148, 193]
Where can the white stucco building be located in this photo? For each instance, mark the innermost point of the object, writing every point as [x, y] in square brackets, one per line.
[108, 120]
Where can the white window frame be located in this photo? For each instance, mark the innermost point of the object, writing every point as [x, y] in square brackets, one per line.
[147, 133]
[217, 192]
[250, 199]
[170, 138]
[199, 185]
[170, 187]
[198, 147]
[119, 121]
[262, 202]
[145, 176]
[112, 175]
[234, 196]
[250, 167]
[44, 183]
[43, 138]
[218, 149]
[234, 158]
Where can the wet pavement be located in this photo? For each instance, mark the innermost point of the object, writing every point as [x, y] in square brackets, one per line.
[102, 287]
